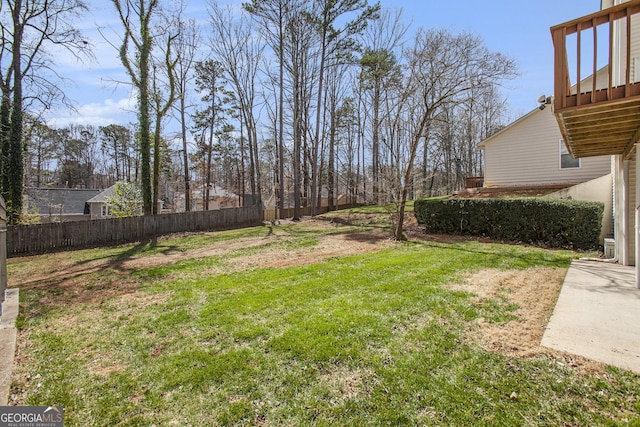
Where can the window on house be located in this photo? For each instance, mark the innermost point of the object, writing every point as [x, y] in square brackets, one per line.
[105, 210]
[566, 161]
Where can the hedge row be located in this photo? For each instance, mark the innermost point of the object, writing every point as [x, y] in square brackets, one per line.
[557, 223]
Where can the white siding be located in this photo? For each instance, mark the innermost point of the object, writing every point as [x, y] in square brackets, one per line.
[527, 153]
[619, 64]
[631, 213]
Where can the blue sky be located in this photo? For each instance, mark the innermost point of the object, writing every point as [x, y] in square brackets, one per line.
[519, 29]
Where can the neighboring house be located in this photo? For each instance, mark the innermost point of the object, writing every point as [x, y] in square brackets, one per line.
[530, 152]
[99, 204]
[59, 204]
[219, 198]
[602, 116]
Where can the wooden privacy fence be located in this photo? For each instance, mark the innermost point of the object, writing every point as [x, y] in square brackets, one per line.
[41, 238]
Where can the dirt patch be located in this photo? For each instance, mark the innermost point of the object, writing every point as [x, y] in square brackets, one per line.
[535, 292]
[331, 246]
[219, 248]
[77, 287]
[345, 384]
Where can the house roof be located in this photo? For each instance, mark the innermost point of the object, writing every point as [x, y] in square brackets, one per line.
[48, 201]
[103, 196]
[482, 144]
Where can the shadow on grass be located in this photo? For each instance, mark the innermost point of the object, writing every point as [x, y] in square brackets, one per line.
[537, 257]
[365, 237]
[116, 262]
[76, 283]
[355, 222]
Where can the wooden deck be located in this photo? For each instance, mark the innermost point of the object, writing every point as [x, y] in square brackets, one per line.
[599, 113]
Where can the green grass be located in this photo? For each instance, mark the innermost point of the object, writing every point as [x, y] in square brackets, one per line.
[373, 339]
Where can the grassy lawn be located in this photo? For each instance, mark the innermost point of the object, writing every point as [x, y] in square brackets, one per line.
[316, 323]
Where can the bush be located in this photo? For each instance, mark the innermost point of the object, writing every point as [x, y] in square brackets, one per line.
[555, 223]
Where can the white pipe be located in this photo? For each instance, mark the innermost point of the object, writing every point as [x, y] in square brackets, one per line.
[607, 260]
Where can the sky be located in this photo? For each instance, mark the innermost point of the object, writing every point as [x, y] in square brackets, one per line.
[518, 29]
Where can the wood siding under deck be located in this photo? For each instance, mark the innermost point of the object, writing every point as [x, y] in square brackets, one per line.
[599, 115]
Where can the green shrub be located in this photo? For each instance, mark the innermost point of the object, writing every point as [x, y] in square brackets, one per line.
[556, 223]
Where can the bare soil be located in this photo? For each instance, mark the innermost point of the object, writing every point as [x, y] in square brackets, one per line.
[535, 292]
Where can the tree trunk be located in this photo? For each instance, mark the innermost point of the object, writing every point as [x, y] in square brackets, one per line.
[16, 173]
[281, 119]
[156, 165]
[185, 156]
[241, 169]
[5, 131]
[145, 121]
[399, 231]
[375, 143]
[331, 173]
[316, 189]
[297, 143]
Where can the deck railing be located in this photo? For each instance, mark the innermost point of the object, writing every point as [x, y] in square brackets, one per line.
[601, 60]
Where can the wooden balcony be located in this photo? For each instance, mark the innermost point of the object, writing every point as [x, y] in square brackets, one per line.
[597, 81]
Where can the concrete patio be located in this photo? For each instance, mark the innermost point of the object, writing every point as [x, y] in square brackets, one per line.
[598, 315]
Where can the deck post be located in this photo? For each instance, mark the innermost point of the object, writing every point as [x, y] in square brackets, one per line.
[637, 228]
[620, 166]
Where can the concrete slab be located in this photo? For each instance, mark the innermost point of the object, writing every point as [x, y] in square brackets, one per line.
[7, 342]
[598, 315]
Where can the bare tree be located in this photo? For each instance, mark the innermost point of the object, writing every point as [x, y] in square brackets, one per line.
[27, 73]
[336, 93]
[274, 15]
[209, 82]
[347, 146]
[163, 95]
[77, 151]
[300, 55]
[382, 41]
[186, 47]
[40, 149]
[115, 142]
[239, 49]
[334, 42]
[443, 68]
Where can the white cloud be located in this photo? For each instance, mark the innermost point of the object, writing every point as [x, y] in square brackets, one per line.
[121, 111]
[109, 107]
